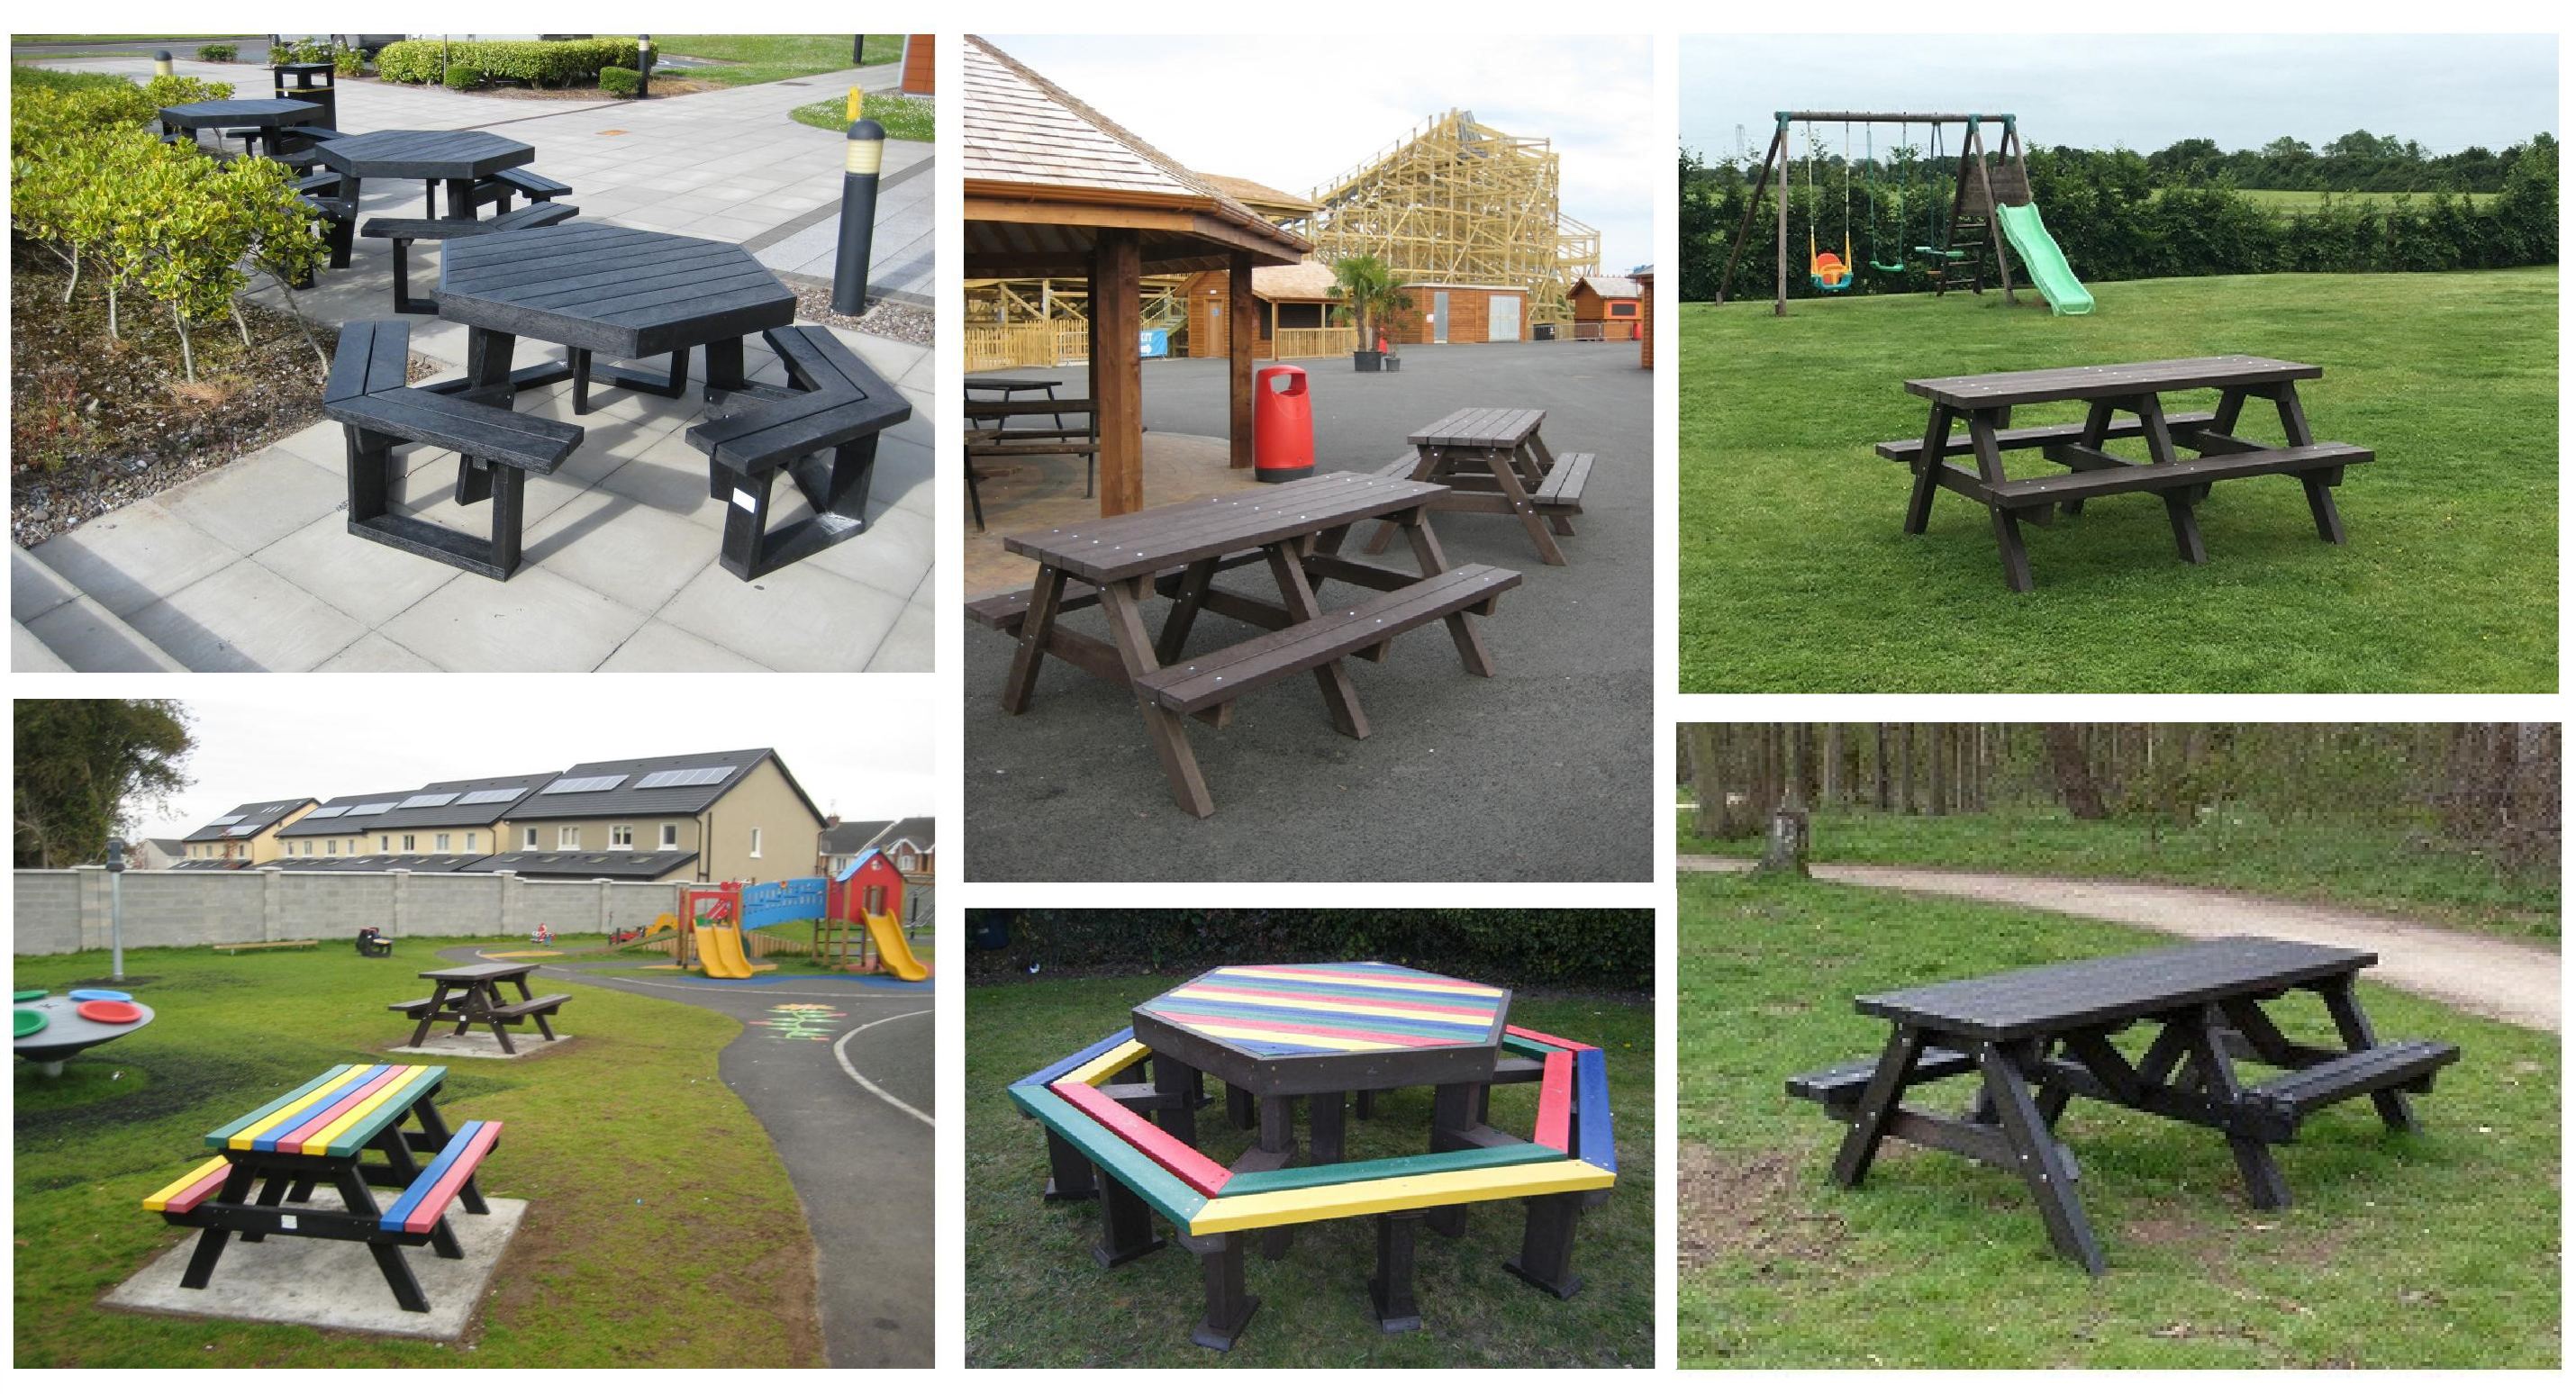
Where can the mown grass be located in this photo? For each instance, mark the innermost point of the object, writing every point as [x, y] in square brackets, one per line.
[1796, 575]
[661, 1227]
[904, 118]
[2433, 1250]
[1035, 1297]
[2367, 866]
[755, 58]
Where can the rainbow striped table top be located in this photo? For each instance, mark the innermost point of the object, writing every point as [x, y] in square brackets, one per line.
[333, 1114]
[1284, 1009]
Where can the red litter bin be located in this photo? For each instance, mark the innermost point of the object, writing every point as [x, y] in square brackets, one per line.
[1283, 426]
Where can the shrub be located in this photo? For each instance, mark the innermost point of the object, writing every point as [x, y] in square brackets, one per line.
[350, 63]
[461, 78]
[539, 63]
[301, 51]
[620, 82]
[217, 53]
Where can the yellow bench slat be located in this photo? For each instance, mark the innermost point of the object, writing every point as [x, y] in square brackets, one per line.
[1261, 1211]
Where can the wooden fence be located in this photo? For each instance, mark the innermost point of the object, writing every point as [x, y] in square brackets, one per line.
[1315, 343]
[990, 347]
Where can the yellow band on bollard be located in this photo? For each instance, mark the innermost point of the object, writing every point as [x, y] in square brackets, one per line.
[865, 156]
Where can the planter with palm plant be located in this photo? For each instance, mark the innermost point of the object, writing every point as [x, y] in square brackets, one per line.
[1370, 293]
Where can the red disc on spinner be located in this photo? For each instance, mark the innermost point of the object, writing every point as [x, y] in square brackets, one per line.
[112, 1013]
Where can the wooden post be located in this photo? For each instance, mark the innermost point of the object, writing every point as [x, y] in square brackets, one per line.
[1240, 329]
[1117, 374]
[1780, 271]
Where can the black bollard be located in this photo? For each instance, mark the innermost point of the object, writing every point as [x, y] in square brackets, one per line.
[865, 156]
[643, 66]
[858, 49]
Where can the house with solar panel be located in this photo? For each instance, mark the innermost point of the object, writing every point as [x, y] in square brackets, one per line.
[246, 836]
[911, 845]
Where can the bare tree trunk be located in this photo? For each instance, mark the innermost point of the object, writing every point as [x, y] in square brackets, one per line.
[1802, 764]
[1878, 733]
[1937, 763]
[1906, 770]
[1708, 779]
[2075, 786]
[1833, 783]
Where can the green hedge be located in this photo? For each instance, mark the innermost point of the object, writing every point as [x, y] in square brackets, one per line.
[1610, 950]
[461, 78]
[620, 82]
[538, 62]
[217, 53]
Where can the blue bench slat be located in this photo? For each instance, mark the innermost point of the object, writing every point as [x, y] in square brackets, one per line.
[1592, 1110]
[400, 1212]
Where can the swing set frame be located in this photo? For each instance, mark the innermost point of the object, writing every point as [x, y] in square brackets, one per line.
[1972, 204]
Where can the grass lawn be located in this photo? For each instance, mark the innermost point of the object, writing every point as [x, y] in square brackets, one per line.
[2434, 1250]
[1796, 574]
[1035, 1297]
[2306, 200]
[904, 118]
[715, 1267]
[770, 57]
[2373, 868]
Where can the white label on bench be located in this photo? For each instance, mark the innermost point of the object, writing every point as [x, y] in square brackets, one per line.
[745, 502]
[286, 1222]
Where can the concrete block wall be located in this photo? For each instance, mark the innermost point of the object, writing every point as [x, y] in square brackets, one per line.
[55, 912]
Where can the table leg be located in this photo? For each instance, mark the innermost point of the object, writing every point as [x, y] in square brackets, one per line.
[1390, 1289]
[1068, 1171]
[1126, 1226]
[2294, 430]
[2041, 1157]
[1427, 463]
[1279, 1138]
[1240, 1110]
[429, 1015]
[1323, 1129]
[1035, 626]
[357, 1200]
[1507, 479]
[724, 367]
[2353, 1025]
[272, 1191]
[2265, 1187]
[1927, 470]
[1181, 1083]
[1453, 1111]
[491, 1017]
[1195, 579]
[2178, 502]
[460, 200]
[1120, 599]
[2007, 524]
[1341, 700]
[1547, 1245]
[1877, 1105]
[1428, 557]
[211, 1240]
[487, 368]
[1221, 1269]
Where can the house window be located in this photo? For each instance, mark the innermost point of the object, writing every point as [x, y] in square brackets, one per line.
[409, 842]
[670, 837]
[904, 862]
[332, 846]
[442, 842]
[530, 841]
[755, 842]
[568, 838]
[384, 843]
[621, 838]
[308, 847]
[469, 842]
[1623, 309]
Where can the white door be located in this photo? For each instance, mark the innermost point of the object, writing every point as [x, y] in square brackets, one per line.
[1503, 319]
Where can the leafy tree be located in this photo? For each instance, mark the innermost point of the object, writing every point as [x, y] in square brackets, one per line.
[1370, 292]
[85, 767]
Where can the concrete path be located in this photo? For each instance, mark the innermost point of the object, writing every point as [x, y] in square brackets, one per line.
[250, 567]
[2499, 978]
[845, 1087]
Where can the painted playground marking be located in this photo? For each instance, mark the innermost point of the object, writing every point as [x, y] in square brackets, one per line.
[840, 1052]
[801, 1021]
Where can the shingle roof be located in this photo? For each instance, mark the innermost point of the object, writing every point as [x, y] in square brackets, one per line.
[920, 832]
[1305, 280]
[1022, 129]
[632, 794]
[1256, 195]
[351, 821]
[615, 866]
[452, 803]
[1610, 287]
[247, 820]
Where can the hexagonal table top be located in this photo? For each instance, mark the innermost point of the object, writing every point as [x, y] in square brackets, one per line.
[627, 292]
[1377, 1016]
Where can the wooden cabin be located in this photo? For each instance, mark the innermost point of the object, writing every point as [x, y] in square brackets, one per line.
[1606, 308]
[920, 66]
[1646, 318]
[1443, 313]
[1294, 309]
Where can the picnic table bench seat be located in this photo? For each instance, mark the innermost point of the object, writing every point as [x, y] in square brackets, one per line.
[402, 232]
[2322, 458]
[324, 196]
[1004, 610]
[414, 1008]
[842, 405]
[2037, 437]
[1364, 627]
[1838, 1087]
[366, 392]
[445, 1178]
[1562, 489]
[2407, 1065]
[522, 182]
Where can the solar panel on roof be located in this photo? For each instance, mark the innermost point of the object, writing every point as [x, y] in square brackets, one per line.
[672, 779]
[586, 784]
[332, 812]
[429, 801]
[492, 796]
[241, 829]
[367, 808]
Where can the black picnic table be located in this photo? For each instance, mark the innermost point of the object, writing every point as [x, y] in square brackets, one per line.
[1493, 461]
[2038, 1037]
[1297, 530]
[460, 159]
[476, 1000]
[1984, 402]
[269, 116]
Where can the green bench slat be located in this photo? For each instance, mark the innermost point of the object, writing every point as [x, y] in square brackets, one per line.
[220, 1136]
[1168, 1194]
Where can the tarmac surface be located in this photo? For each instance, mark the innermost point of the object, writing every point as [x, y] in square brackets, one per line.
[1542, 772]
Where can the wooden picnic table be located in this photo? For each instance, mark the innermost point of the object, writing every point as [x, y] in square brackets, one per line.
[1984, 403]
[1494, 461]
[1296, 530]
[1002, 439]
[1010, 388]
[319, 1134]
[2038, 1037]
[270, 117]
[469, 994]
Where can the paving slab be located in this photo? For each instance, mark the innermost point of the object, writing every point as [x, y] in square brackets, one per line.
[662, 647]
[802, 619]
[134, 556]
[537, 622]
[246, 618]
[332, 1285]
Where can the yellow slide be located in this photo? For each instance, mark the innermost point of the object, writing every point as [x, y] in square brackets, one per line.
[892, 951]
[720, 953]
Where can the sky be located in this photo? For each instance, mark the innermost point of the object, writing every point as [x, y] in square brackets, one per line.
[2145, 92]
[851, 753]
[1298, 115]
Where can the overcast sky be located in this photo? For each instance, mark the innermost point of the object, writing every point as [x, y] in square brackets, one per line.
[2448, 91]
[1292, 114]
[855, 754]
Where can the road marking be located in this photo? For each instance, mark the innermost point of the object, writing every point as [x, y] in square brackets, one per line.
[841, 1053]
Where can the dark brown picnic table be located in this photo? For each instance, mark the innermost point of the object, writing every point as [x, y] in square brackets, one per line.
[1296, 530]
[2038, 1037]
[1493, 461]
[476, 1000]
[1984, 403]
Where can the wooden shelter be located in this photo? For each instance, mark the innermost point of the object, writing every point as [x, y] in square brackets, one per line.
[1294, 318]
[1605, 308]
[1646, 318]
[1054, 188]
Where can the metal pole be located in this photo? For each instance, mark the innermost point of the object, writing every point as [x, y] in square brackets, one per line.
[116, 909]
[643, 66]
[864, 156]
[858, 49]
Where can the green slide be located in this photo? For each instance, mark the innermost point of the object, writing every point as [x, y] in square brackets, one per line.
[2046, 265]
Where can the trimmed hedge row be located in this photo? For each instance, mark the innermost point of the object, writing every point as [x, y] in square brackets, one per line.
[538, 62]
[620, 82]
[1611, 950]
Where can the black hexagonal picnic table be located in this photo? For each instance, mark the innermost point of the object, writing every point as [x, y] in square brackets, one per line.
[460, 159]
[269, 115]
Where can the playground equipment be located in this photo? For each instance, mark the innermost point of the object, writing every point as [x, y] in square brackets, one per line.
[1825, 271]
[1991, 212]
[868, 893]
[372, 943]
[541, 934]
[48, 1030]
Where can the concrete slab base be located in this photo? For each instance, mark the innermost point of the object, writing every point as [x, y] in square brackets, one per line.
[477, 1045]
[330, 1284]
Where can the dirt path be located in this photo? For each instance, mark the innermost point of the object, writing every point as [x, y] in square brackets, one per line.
[2497, 978]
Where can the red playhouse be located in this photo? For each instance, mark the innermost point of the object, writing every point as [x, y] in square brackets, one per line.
[862, 921]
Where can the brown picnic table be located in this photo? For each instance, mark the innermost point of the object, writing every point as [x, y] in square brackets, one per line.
[1296, 530]
[992, 433]
[469, 994]
[1984, 403]
[1494, 461]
